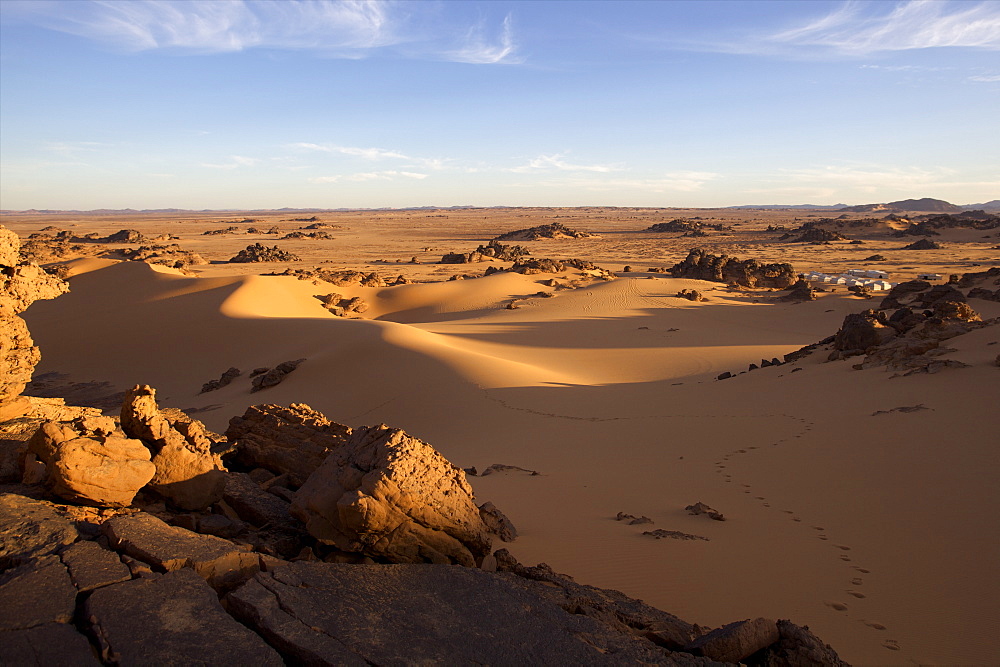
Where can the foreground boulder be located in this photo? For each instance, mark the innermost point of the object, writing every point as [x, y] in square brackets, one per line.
[188, 472]
[394, 498]
[31, 529]
[862, 331]
[88, 462]
[700, 265]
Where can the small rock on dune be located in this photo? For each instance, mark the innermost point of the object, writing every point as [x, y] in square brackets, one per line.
[223, 380]
[702, 508]
[497, 522]
[660, 534]
[275, 375]
[737, 641]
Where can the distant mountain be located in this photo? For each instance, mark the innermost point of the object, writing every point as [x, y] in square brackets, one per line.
[925, 205]
[776, 207]
[993, 205]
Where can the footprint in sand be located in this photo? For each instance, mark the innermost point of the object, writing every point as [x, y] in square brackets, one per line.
[842, 547]
[839, 606]
[862, 570]
[766, 504]
[891, 644]
[817, 527]
[823, 537]
[760, 497]
[857, 581]
[788, 511]
[846, 559]
[746, 486]
[856, 594]
[876, 626]
[796, 519]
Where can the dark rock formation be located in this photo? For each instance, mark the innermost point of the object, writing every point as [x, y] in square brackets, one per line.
[819, 235]
[531, 267]
[307, 235]
[392, 497]
[125, 236]
[31, 529]
[492, 250]
[340, 277]
[690, 295]
[497, 522]
[224, 379]
[556, 230]
[274, 376]
[261, 253]
[990, 276]
[900, 292]
[800, 291]
[677, 225]
[737, 641]
[21, 284]
[862, 331]
[700, 265]
[923, 244]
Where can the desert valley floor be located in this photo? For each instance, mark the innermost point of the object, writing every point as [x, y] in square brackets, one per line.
[874, 526]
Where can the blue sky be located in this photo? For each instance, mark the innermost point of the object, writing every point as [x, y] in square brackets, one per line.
[243, 104]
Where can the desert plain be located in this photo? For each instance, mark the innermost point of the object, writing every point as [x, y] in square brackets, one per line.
[861, 502]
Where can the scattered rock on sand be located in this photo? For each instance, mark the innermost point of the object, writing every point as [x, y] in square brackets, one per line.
[905, 408]
[274, 376]
[390, 496]
[660, 534]
[632, 519]
[500, 467]
[800, 291]
[690, 295]
[702, 508]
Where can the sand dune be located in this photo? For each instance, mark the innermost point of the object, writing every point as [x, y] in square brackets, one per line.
[874, 530]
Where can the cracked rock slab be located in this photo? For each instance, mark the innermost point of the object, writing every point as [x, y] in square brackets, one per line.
[169, 548]
[44, 645]
[31, 528]
[329, 613]
[174, 619]
[92, 566]
[36, 593]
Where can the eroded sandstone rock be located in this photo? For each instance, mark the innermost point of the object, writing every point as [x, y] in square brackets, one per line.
[188, 472]
[700, 265]
[391, 496]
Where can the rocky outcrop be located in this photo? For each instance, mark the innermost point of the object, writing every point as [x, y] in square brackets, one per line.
[307, 235]
[677, 225]
[700, 265]
[392, 497]
[690, 295]
[188, 472]
[339, 306]
[556, 230]
[125, 236]
[497, 522]
[88, 461]
[490, 251]
[293, 440]
[274, 376]
[21, 284]
[261, 253]
[863, 331]
[819, 235]
[978, 278]
[169, 255]
[702, 508]
[341, 278]
[530, 267]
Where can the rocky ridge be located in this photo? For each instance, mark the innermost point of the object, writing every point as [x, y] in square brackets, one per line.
[701, 265]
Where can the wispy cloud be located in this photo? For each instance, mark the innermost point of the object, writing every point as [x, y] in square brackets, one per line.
[480, 50]
[985, 78]
[70, 148]
[366, 153]
[369, 176]
[235, 161]
[556, 162]
[333, 28]
[916, 24]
